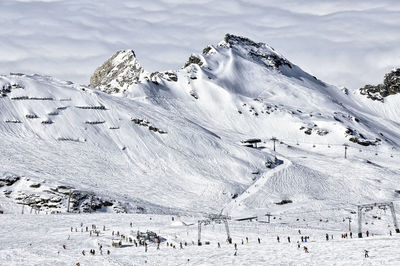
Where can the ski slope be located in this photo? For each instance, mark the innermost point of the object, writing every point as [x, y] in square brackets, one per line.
[172, 142]
[38, 240]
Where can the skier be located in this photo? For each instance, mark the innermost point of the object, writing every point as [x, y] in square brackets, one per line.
[242, 242]
[298, 244]
[305, 249]
[247, 240]
[180, 245]
[367, 233]
[64, 246]
[302, 239]
[145, 247]
[108, 252]
[83, 252]
[235, 246]
[288, 239]
[277, 238]
[351, 234]
[259, 240]
[366, 254]
[327, 237]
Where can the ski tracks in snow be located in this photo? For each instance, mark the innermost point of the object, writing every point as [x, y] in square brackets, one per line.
[256, 186]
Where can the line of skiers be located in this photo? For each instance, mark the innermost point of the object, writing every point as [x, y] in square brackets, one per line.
[93, 252]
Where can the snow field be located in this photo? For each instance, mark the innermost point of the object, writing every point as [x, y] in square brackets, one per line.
[37, 239]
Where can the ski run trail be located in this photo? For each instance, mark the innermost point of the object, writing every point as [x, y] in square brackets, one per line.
[236, 204]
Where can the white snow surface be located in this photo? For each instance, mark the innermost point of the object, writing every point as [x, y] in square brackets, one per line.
[38, 240]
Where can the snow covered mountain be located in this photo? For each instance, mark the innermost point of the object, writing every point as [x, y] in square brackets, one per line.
[178, 141]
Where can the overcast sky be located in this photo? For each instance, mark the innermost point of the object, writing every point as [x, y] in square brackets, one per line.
[345, 42]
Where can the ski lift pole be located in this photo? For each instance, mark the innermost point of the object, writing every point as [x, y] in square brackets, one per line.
[349, 218]
[391, 206]
[359, 222]
[274, 140]
[69, 199]
[345, 150]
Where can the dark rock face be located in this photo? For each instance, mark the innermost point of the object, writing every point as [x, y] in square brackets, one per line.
[8, 180]
[358, 138]
[390, 86]
[258, 51]
[193, 60]
[233, 39]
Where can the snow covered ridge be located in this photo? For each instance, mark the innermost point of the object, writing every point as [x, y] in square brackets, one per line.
[178, 141]
[123, 70]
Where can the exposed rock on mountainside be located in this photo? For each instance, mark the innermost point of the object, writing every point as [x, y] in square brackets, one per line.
[390, 86]
[257, 51]
[118, 72]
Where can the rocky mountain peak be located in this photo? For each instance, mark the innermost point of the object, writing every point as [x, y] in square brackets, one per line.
[256, 51]
[118, 72]
[390, 86]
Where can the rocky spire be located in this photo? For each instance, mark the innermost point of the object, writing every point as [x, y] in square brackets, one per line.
[390, 86]
[118, 73]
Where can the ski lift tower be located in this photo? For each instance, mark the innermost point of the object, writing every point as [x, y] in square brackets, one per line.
[214, 218]
[368, 207]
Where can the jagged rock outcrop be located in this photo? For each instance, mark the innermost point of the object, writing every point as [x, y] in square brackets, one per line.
[259, 52]
[390, 86]
[118, 73]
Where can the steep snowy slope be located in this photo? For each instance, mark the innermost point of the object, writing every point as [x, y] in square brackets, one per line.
[59, 134]
[174, 141]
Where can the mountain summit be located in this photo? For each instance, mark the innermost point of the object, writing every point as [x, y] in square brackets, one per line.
[233, 56]
[118, 73]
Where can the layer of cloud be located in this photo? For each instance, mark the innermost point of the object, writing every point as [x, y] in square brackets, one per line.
[342, 42]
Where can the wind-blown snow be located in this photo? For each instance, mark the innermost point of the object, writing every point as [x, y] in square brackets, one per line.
[348, 43]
